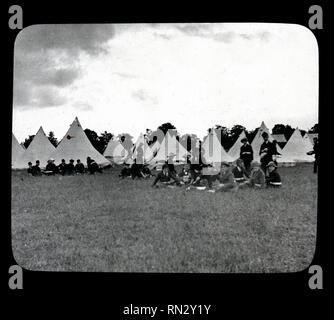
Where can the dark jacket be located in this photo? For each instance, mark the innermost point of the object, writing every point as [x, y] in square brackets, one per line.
[36, 171]
[240, 174]
[246, 153]
[268, 149]
[79, 168]
[51, 167]
[273, 179]
[165, 178]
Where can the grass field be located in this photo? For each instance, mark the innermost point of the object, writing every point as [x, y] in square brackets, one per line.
[103, 223]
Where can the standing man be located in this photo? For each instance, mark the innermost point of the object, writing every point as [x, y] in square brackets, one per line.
[315, 151]
[246, 154]
[267, 150]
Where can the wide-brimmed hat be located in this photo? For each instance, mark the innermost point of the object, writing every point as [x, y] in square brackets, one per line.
[271, 164]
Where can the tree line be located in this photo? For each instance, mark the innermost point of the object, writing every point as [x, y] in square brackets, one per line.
[227, 136]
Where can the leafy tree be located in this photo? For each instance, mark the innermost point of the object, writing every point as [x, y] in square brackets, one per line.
[235, 132]
[104, 138]
[52, 138]
[288, 132]
[165, 127]
[278, 129]
[28, 140]
[224, 136]
[314, 129]
[94, 140]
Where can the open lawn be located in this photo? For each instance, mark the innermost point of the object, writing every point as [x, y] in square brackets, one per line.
[104, 223]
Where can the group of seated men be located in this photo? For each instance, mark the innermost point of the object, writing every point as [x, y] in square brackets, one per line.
[229, 178]
[64, 168]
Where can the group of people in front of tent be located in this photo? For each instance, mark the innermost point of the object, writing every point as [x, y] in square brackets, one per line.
[64, 168]
[245, 173]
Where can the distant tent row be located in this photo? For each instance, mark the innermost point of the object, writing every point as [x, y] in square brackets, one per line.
[295, 150]
[76, 145]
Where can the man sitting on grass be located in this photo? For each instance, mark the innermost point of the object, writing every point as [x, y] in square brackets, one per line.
[166, 177]
[36, 170]
[70, 170]
[239, 171]
[29, 170]
[93, 166]
[187, 176]
[62, 167]
[79, 167]
[226, 179]
[126, 171]
[257, 178]
[209, 174]
[51, 168]
[273, 179]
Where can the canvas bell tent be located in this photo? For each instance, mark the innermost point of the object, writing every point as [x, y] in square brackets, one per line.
[234, 152]
[17, 151]
[296, 149]
[40, 149]
[141, 151]
[75, 145]
[170, 147]
[258, 140]
[212, 151]
[115, 152]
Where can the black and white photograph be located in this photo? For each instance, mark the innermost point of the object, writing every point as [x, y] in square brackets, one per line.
[165, 147]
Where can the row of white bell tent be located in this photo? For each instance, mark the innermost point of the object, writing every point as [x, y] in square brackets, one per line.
[76, 145]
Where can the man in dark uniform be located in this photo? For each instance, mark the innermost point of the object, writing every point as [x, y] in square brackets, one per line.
[239, 172]
[29, 170]
[79, 167]
[267, 150]
[273, 179]
[70, 168]
[226, 179]
[93, 166]
[36, 170]
[315, 151]
[136, 169]
[165, 177]
[51, 168]
[170, 163]
[62, 167]
[246, 154]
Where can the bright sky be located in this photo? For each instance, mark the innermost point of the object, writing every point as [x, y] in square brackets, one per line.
[126, 78]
